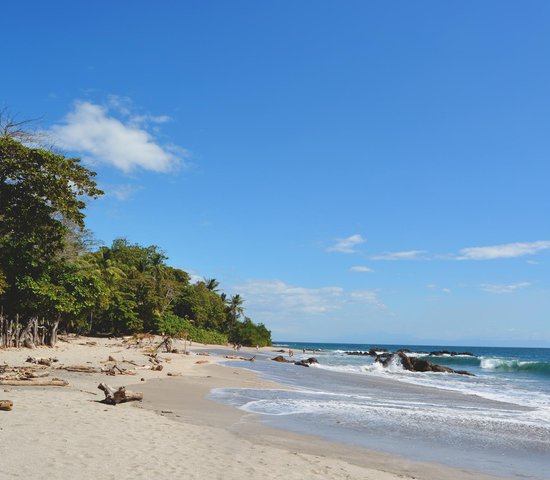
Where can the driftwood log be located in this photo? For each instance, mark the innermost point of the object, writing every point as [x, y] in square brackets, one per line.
[114, 369]
[6, 405]
[234, 357]
[120, 395]
[35, 382]
[41, 361]
[80, 369]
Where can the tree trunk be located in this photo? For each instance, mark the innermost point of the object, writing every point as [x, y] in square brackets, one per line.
[113, 397]
[53, 336]
[26, 336]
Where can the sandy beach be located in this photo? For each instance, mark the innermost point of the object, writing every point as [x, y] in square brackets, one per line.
[60, 432]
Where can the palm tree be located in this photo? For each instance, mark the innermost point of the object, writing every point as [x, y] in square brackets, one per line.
[234, 310]
[212, 284]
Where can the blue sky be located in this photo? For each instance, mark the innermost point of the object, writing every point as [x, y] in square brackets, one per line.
[358, 171]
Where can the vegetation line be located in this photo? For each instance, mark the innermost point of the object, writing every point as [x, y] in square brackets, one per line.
[52, 278]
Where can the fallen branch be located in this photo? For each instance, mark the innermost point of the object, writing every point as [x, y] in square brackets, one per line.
[114, 397]
[233, 357]
[54, 382]
[80, 369]
[41, 361]
[115, 368]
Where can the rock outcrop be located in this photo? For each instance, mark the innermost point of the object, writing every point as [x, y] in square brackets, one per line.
[307, 362]
[414, 364]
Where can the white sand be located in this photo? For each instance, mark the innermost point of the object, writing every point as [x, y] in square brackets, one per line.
[64, 432]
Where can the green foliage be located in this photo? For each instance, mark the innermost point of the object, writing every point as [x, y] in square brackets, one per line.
[40, 193]
[47, 269]
[201, 305]
[178, 327]
[249, 334]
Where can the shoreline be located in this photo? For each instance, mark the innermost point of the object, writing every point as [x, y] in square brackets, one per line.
[175, 430]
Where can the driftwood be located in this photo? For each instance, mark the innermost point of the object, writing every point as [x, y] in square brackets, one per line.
[115, 368]
[6, 405]
[20, 373]
[233, 357]
[41, 361]
[113, 397]
[131, 363]
[80, 369]
[202, 361]
[34, 382]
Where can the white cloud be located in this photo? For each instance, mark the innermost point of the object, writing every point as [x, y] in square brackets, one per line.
[122, 192]
[361, 268]
[406, 255]
[347, 245]
[368, 296]
[507, 250]
[497, 288]
[277, 296]
[94, 132]
[446, 290]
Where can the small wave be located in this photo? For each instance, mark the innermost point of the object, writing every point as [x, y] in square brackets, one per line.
[542, 368]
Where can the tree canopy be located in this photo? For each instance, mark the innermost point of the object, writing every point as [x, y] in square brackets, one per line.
[50, 275]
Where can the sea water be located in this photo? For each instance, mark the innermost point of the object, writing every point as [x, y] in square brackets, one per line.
[496, 422]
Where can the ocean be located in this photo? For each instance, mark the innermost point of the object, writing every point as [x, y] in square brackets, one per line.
[496, 422]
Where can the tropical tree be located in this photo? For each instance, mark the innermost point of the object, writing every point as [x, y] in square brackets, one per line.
[40, 193]
[212, 284]
[234, 312]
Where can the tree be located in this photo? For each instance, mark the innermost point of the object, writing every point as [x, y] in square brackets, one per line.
[41, 192]
[212, 284]
[234, 311]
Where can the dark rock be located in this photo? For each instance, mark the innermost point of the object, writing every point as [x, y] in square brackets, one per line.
[281, 359]
[280, 351]
[440, 353]
[307, 362]
[413, 364]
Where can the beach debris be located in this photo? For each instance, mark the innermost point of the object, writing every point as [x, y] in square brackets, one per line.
[6, 405]
[174, 374]
[414, 364]
[199, 362]
[79, 369]
[168, 344]
[234, 357]
[86, 391]
[20, 373]
[35, 382]
[42, 361]
[131, 363]
[120, 395]
[307, 362]
[114, 369]
[206, 354]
